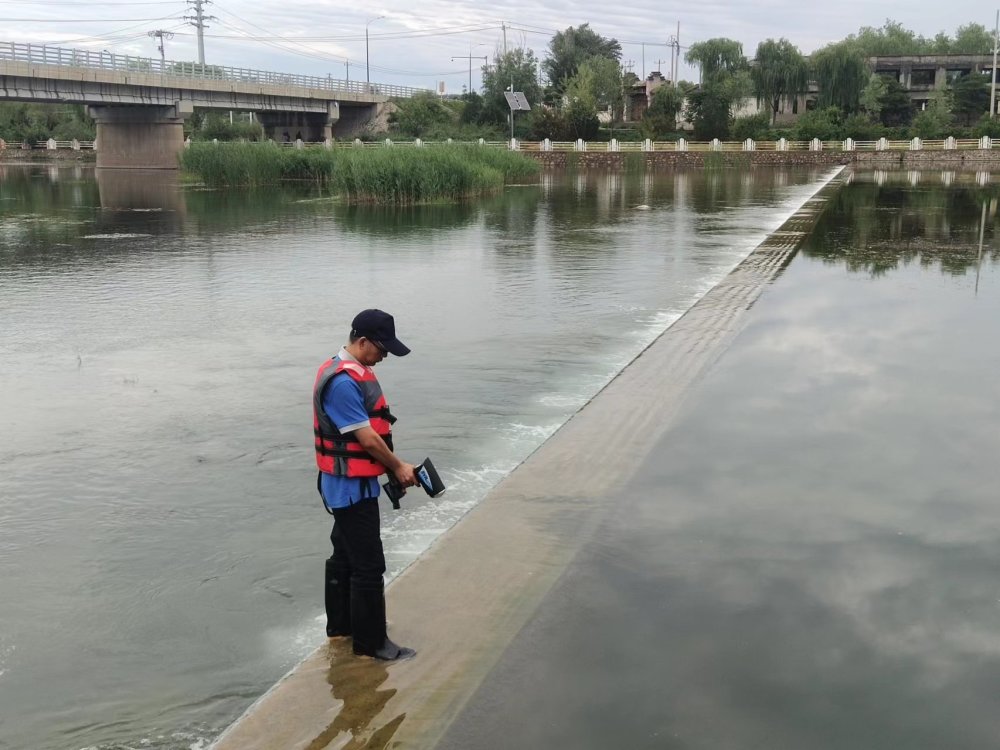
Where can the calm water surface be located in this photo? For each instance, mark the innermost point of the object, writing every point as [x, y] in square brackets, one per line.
[161, 540]
[810, 558]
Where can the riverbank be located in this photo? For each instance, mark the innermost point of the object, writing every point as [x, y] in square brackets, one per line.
[469, 595]
[37, 155]
[971, 159]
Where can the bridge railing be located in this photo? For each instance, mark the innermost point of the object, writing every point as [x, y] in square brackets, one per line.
[42, 54]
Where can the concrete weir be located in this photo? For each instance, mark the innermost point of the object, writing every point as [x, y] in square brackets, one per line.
[463, 601]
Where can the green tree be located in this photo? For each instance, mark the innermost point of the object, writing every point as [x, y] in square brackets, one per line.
[418, 113]
[547, 122]
[518, 65]
[941, 44]
[841, 72]
[935, 120]
[871, 96]
[725, 80]
[970, 98]
[896, 109]
[779, 70]
[34, 123]
[602, 78]
[473, 107]
[660, 118]
[581, 119]
[972, 39]
[890, 39]
[569, 49]
[717, 57]
[709, 110]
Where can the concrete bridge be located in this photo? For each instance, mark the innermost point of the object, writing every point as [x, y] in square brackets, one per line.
[140, 104]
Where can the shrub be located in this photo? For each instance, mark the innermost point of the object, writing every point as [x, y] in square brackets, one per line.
[751, 126]
[819, 123]
[987, 126]
[379, 175]
[861, 128]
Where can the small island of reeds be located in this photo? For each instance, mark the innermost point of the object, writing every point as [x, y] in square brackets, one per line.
[386, 175]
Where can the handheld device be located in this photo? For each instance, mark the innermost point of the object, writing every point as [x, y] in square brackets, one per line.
[428, 478]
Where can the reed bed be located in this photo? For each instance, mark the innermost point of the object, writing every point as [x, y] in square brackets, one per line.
[382, 175]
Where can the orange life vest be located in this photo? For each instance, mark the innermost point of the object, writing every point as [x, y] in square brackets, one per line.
[339, 454]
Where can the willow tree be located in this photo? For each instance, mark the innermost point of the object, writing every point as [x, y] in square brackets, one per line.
[716, 57]
[724, 81]
[779, 69]
[841, 73]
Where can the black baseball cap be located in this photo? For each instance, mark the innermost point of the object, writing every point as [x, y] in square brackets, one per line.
[379, 327]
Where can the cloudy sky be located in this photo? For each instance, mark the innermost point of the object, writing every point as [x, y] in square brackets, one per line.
[414, 43]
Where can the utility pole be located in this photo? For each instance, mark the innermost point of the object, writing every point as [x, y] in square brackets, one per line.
[644, 61]
[198, 21]
[659, 66]
[675, 55]
[629, 64]
[161, 35]
[470, 57]
[347, 64]
[993, 84]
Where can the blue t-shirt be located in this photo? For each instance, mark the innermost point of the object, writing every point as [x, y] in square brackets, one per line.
[344, 403]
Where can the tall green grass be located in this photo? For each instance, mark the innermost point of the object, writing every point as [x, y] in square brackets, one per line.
[381, 175]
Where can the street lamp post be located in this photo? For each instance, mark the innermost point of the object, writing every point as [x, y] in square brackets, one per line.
[470, 57]
[368, 75]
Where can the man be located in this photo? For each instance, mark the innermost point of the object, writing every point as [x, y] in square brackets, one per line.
[353, 438]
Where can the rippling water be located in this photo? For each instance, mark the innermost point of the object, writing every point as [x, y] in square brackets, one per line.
[160, 534]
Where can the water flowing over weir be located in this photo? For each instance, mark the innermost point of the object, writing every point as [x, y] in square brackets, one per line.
[179, 531]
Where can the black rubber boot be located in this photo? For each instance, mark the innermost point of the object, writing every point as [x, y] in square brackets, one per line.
[368, 626]
[338, 599]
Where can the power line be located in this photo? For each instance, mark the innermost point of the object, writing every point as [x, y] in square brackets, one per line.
[310, 52]
[86, 20]
[106, 2]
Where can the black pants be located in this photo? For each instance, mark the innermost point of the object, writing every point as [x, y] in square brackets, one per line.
[357, 543]
[355, 602]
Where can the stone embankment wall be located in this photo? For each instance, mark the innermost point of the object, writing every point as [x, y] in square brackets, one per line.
[40, 154]
[603, 160]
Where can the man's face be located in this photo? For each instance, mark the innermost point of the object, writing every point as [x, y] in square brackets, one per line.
[371, 353]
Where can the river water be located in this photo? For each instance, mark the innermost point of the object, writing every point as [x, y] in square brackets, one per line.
[161, 540]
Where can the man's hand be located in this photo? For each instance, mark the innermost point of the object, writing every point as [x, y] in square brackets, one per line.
[405, 475]
[376, 447]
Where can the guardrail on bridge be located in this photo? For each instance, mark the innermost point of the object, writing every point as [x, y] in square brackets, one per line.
[41, 54]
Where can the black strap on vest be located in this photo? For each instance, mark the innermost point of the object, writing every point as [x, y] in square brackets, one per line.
[344, 452]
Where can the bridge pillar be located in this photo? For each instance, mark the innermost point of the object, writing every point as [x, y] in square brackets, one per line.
[312, 127]
[355, 120]
[140, 136]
